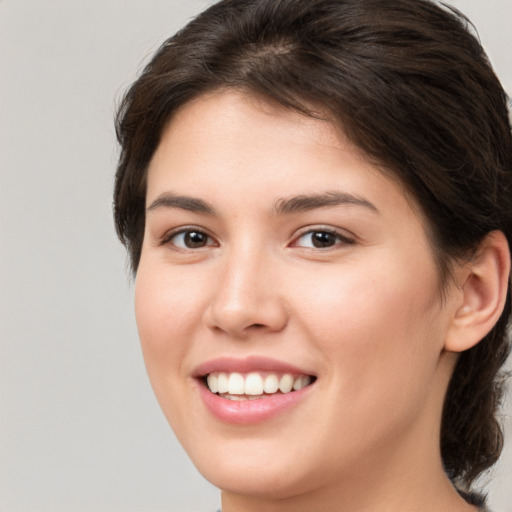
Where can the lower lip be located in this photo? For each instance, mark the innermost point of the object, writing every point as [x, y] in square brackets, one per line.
[250, 411]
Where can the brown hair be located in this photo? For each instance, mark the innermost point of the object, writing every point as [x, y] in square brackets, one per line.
[411, 86]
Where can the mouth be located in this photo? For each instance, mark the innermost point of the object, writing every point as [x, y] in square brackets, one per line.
[253, 389]
[236, 386]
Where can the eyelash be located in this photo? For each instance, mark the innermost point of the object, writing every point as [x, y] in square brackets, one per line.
[168, 238]
[339, 239]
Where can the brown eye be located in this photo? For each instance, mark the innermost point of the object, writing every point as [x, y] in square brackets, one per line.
[191, 239]
[194, 239]
[321, 239]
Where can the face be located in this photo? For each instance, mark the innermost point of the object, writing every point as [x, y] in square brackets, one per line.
[287, 302]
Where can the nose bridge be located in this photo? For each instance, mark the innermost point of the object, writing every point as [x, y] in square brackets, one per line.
[242, 268]
[246, 295]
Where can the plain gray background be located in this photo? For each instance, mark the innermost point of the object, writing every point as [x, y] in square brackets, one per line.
[80, 429]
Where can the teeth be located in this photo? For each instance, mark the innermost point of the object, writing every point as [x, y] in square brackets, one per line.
[240, 398]
[286, 383]
[222, 383]
[237, 386]
[301, 382]
[235, 398]
[271, 384]
[253, 384]
[213, 382]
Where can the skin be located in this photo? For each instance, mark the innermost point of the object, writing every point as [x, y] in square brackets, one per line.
[364, 315]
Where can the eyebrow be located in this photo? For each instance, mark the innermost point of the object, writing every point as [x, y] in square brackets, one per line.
[192, 204]
[283, 206]
[308, 202]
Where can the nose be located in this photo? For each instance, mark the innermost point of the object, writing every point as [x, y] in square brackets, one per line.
[247, 297]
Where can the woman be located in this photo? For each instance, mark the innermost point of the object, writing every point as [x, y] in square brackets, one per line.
[316, 200]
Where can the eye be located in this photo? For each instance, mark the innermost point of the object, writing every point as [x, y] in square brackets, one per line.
[321, 239]
[189, 239]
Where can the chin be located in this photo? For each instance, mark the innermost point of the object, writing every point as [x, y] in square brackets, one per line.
[256, 480]
[264, 468]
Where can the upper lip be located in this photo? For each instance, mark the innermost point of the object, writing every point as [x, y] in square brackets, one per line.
[246, 365]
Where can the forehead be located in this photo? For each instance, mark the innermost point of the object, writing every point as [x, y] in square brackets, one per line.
[236, 114]
[227, 137]
[245, 132]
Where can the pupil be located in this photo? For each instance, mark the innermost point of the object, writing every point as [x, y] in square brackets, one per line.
[195, 239]
[323, 239]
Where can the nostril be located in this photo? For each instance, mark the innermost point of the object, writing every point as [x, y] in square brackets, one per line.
[240, 315]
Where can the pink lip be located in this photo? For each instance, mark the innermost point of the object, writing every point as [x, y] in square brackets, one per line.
[248, 411]
[248, 364]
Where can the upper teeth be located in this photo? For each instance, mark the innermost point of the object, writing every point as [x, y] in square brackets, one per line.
[255, 383]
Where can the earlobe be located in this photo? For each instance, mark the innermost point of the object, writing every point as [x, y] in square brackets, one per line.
[484, 284]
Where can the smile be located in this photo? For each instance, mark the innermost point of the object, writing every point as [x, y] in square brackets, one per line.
[255, 385]
[253, 389]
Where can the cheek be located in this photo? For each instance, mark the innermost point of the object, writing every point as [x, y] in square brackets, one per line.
[375, 333]
[375, 323]
[166, 309]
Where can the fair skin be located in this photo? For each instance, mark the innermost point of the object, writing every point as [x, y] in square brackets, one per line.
[237, 266]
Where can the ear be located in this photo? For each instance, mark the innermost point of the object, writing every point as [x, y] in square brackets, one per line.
[483, 285]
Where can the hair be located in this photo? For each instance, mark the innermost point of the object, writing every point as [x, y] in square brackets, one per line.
[410, 85]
